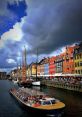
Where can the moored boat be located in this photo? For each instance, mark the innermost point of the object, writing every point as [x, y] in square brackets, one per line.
[15, 81]
[25, 84]
[36, 83]
[37, 102]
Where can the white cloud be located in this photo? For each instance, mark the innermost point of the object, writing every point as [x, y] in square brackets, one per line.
[55, 53]
[14, 34]
[10, 61]
[63, 49]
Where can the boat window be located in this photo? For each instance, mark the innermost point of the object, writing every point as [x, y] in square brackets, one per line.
[53, 101]
[46, 102]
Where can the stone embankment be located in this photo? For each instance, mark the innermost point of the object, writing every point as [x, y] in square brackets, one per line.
[63, 85]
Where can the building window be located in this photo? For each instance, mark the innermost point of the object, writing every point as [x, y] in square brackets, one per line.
[75, 57]
[80, 63]
[78, 71]
[75, 64]
[80, 56]
[81, 71]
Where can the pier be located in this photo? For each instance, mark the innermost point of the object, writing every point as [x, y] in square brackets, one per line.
[68, 86]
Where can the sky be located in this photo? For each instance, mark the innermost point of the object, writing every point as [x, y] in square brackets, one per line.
[46, 25]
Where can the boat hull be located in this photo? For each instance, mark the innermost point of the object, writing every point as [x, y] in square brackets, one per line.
[40, 112]
[25, 84]
[36, 83]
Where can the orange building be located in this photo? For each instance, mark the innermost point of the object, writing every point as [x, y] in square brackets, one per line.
[68, 61]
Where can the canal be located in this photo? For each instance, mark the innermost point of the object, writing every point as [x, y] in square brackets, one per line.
[10, 108]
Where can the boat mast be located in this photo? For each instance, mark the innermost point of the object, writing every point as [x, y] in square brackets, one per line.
[20, 71]
[24, 65]
[17, 71]
[36, 63]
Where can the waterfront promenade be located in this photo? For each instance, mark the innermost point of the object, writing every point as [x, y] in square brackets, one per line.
[64, 85]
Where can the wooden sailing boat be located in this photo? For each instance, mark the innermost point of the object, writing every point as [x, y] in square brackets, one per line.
[25, 82]
[36, 82]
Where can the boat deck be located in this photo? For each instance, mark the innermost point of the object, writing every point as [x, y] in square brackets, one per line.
[57, 105]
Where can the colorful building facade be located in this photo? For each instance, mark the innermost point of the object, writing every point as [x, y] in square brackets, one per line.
[59, 63]
[40, 68]
[43, 67]
[68, 61]
[78, 59]
[46, 66]
[52, 67]
[34, 69]
[29, 71]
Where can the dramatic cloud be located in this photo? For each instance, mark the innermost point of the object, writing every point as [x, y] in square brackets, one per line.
[12, 36]
[47, 25]
[52, 24]
[12, 13]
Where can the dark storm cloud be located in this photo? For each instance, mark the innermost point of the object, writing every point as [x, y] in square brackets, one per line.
[53, 24]
[50, 24]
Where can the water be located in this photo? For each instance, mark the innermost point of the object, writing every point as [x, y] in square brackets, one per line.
[10, 108]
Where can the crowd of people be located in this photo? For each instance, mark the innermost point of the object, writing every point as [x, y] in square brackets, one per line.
[68, 80]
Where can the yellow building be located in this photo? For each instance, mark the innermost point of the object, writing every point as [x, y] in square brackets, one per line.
[33, 67]
[78, 59]
[38, 70]
[29, 72]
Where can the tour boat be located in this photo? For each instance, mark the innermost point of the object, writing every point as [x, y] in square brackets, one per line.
[38, 103]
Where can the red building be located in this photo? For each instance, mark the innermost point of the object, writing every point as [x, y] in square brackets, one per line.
[52, 69]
